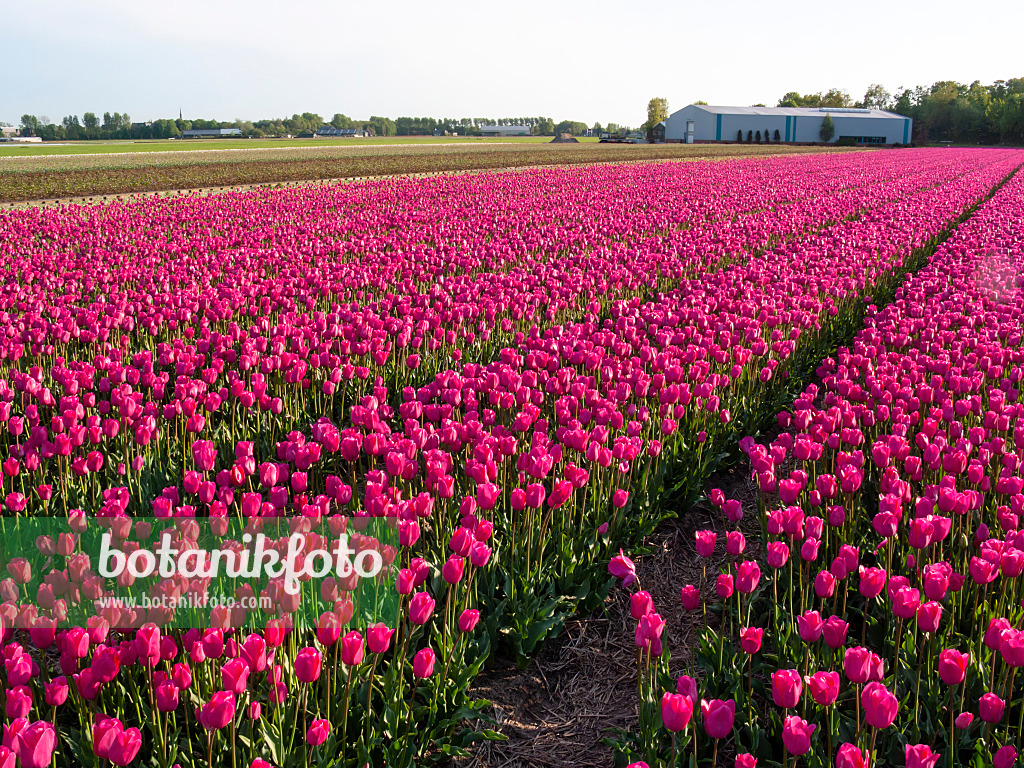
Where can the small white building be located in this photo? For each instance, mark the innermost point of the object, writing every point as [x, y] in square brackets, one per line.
[800, 125]
[330, 132]
[198, 133]
[505, 130]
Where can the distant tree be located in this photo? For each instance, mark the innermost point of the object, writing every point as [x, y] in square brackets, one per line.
[750, 136]
[828, 129]
[757, 137]
[657, 110]
[50, 132]
[739, 135]
[29, 125]
[90, 121]
[757, 105]
[598, 129]
[72, 128]
[766, 139]
[700, 102]
[313, 121]
[836, 98]
[778, 136]
[544, 127]
[342, 121]
[876, 97]
[571, 126]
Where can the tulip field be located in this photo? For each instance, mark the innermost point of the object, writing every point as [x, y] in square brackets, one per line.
[498, 385]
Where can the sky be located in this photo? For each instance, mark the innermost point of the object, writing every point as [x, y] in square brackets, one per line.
[586, 61]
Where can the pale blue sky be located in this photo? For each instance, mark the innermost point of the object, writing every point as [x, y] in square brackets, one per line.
[227, 59]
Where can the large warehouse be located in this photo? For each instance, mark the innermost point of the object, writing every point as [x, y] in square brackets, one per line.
[701, 123]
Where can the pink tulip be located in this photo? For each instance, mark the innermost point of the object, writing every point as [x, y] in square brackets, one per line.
[718, 717]
[879, 705]
[786, 688]
[796, 735]
[676, 711]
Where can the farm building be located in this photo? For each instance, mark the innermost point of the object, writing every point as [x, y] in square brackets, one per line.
[204, 132]
[329, 132]
[702, 123]
[505, 130]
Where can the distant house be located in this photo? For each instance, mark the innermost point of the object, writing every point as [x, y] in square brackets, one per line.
[658, 131]
[196, 133]
[505, 130]
[328, 132]
[8, 130]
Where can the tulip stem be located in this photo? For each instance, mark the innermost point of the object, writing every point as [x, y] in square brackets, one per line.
[714, 754]
[344, 711]
[369, 694]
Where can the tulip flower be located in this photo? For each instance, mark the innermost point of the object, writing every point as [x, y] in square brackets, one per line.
[824, 687]
[352, 649]
[879, 705]
[676, 711]
[690, 597]
[786, 688]
[718, 717]
[920, 756]
[318, 732]
[36, 743]
[750, 639]
[218, 711]
[796, 735]
[991, 707]
[849, 756]
[307, 664]
[953, 666]
[1004, 757]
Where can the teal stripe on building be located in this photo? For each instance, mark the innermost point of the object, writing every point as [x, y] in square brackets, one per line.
[718, 127]
[906, 131]
[788, 118]
[794, 129]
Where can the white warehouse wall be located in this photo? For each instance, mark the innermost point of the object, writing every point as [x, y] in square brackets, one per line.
[793, 125]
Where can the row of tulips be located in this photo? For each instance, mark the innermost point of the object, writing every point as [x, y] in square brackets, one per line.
[881, 622]
[504, 481]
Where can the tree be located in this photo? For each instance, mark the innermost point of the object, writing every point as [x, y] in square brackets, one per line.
[700, 102]
[544, 127]
[598, 129]
[757, 137]
[739, 135]
[72, 128]
[836, 98]
[778, 136]
[750, 136]
[29, 125]
[876, 97]
[828, 129]
[657, 110]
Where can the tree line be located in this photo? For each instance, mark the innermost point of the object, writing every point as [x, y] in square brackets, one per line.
[120, 126]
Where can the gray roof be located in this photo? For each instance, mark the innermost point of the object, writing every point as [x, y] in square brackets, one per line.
[797, 111]
[505, 128]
